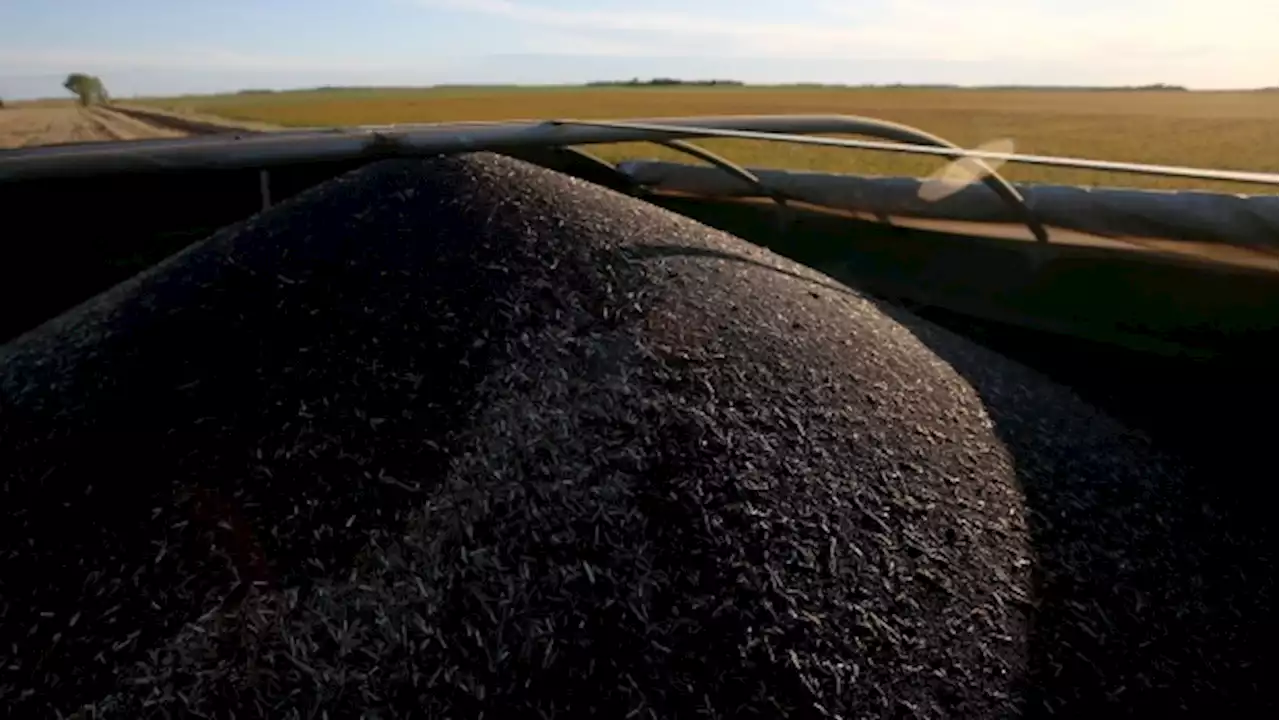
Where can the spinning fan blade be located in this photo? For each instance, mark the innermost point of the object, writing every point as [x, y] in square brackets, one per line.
[962, 172]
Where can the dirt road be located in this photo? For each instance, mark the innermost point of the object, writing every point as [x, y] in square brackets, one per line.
[24, 127]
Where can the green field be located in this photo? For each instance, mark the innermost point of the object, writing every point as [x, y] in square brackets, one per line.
[1228, 130]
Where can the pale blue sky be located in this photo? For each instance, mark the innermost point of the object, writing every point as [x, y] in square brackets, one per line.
[173, 46]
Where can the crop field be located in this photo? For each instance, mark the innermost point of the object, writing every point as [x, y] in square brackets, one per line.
[1229, 130]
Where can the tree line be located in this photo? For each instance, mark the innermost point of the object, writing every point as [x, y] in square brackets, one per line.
[637, 82]
[662, 81]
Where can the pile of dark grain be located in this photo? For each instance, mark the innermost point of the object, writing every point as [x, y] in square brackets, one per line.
[458, 437]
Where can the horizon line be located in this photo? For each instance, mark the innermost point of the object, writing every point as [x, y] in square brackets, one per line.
[708, 84]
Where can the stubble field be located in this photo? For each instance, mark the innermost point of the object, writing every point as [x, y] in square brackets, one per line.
[1228, 130]
[55, 124]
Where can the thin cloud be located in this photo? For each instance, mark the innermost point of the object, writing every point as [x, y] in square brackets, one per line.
[1097, 32]
[1142, 26]
[204, 59]
[749, 35]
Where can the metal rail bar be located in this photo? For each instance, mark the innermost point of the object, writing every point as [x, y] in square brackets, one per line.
[719, 161]
[737, 171]
[891, 130]
[577, 162]
[263, 150]
[239, 150]
[258, 150]
[952, 152]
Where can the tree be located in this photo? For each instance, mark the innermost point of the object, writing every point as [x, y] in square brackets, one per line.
[88, 88]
